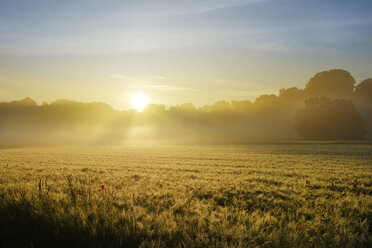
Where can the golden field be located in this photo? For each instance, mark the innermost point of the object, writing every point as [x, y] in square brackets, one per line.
[264, 195]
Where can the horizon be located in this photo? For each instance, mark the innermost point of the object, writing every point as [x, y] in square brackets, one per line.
[315, 112]
[41, 102]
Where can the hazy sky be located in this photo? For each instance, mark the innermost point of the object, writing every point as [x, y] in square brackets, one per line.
[176, 51]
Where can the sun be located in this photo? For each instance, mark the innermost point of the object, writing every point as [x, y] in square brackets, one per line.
[139, 102]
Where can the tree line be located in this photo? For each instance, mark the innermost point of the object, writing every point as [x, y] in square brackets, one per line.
[332, 106]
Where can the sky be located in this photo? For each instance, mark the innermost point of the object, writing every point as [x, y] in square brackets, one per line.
[176, 51]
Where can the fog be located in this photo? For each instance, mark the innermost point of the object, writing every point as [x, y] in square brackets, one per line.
[332, 106]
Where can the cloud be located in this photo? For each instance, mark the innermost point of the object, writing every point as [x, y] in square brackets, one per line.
[120, 76]
[164, 78]
[171, 7]
[157, 77]
[164, 87]
[211, 5]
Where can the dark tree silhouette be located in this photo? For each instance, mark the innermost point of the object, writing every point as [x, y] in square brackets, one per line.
[333, 84]
[363, 101]
[364, 89]
[325, 119]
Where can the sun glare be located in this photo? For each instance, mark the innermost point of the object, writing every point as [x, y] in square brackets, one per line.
[139, 102]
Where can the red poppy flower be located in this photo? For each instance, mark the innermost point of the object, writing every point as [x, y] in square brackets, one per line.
[102, 186]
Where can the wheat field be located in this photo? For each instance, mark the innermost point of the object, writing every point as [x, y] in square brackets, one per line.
[265, 195]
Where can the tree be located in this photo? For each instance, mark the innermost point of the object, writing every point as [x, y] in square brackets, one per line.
[220, 107]
[325, 119]
[364, 89]
[241, 106]
[363, 101]
[333, 84]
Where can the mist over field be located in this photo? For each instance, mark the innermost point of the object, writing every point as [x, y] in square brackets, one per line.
[286, 170]
[332, 106]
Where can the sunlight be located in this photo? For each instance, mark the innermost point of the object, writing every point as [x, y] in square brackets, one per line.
[139, 102]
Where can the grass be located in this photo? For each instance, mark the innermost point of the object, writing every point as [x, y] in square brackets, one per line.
[293, 195]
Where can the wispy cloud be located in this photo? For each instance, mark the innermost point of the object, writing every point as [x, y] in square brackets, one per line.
[164, 78]
[164, 87]
[158, 77]
[171, 7]
[211, 5]
[120, 76]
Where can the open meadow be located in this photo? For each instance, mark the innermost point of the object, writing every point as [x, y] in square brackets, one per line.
[265, 195]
